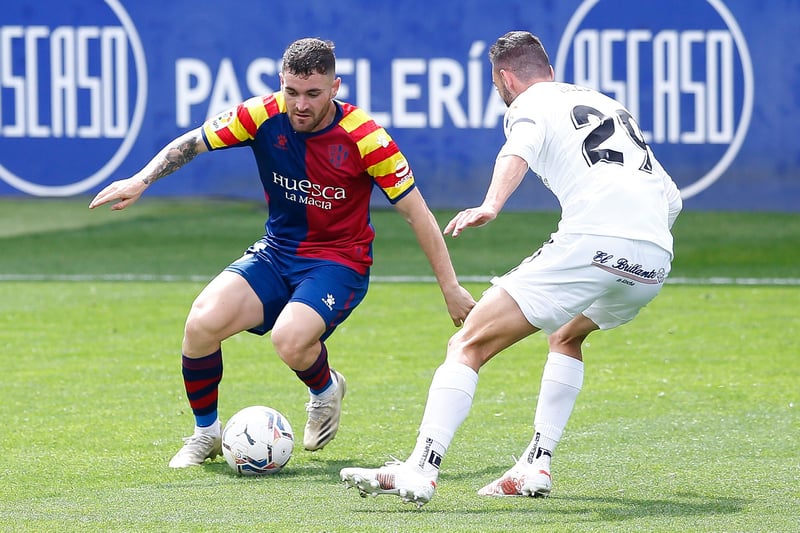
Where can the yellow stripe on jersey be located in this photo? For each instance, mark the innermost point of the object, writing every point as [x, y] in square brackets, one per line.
[354, 120]
[258, 112]
[391, 170]
[240, 124]
[386, 166]
[376, 140]
[399, 177]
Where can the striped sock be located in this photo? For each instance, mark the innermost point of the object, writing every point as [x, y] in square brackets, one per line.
[318, 376]
[201, 379]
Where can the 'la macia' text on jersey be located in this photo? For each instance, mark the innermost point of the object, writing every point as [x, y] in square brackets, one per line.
[317, 185]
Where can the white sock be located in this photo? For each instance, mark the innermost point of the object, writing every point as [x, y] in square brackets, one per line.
[449, 402]
[214, 429]
[562, 380]
[327, 393]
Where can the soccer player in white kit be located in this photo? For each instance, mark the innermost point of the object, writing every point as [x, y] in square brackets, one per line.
[608, 259]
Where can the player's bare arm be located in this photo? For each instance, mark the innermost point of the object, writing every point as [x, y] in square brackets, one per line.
[508, 173]
[414, 209]
[172, 157]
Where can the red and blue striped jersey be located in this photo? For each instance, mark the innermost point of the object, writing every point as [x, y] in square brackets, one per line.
[317, 185]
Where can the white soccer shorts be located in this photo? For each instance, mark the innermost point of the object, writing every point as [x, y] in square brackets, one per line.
[608, 279]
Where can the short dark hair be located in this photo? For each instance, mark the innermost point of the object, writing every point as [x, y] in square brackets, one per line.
[308, 56]
[520, 51]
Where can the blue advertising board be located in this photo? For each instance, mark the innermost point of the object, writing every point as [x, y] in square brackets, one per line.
[90, 90]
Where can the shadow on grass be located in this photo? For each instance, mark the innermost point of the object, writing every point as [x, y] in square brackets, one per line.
[310, 468]
[577, 509]
[676, 505]
[450, 501]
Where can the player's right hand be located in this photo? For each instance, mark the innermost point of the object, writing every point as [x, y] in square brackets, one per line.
[459, 303]
[469, 218]
[125, 191]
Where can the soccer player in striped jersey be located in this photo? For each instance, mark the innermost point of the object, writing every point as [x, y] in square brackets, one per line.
[318, 160]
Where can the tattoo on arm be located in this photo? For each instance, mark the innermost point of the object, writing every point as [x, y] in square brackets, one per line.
[172, 158]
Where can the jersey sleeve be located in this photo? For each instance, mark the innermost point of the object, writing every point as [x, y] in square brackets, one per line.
[382, 158]
[239, 124]
[671, 191]
[524, 136]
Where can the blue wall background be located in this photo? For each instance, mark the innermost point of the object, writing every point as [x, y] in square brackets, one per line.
[91, 89]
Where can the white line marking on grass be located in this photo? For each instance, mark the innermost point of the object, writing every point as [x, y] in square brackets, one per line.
[103, 277]
[671, 281]
[733, 281]
[377, 279]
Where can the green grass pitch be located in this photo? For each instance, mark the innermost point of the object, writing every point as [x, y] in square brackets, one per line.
[688, 420]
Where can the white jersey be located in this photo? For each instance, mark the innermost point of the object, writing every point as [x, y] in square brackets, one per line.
[590, 152]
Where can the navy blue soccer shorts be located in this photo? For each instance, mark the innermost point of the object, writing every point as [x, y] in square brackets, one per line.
[331, 289]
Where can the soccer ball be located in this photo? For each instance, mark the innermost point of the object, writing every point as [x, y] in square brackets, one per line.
[257, 440]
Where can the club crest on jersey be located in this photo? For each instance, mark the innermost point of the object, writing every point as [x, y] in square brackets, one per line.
[337, 155]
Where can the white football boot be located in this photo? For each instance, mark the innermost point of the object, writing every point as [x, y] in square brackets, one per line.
[522, 480]
[394, 478]
[323, 417]
[196, 449]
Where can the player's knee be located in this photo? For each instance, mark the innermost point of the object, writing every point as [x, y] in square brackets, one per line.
[566, 342]
[194, 330]
[201, 325]
[292, 346]
[198, 340]
[569, 338]
[465, 349]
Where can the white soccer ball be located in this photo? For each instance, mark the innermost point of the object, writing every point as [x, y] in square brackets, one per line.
[257, 440]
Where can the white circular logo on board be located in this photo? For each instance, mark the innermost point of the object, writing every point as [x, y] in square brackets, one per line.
[682, 68]
[72, 97]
